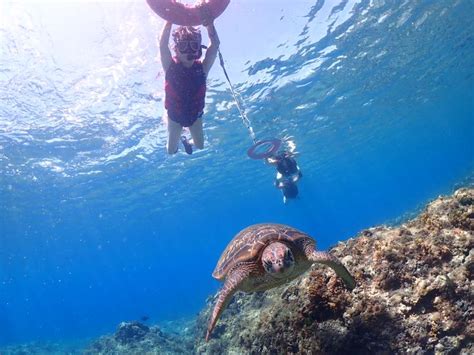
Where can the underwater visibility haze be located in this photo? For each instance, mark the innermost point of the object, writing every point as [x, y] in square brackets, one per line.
[99, 225]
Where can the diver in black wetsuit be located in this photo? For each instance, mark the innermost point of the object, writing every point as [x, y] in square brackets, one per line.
[288, 174]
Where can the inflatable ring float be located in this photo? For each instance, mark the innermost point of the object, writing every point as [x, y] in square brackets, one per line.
[188, 15]
[264, 149]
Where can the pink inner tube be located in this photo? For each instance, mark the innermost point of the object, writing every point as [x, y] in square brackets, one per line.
[273, 146]
[188, 15]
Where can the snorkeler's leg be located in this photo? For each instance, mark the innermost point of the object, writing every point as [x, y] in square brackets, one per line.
[174, 133]
[197, 133]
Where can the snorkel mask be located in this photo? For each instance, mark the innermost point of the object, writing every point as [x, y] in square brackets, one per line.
[188, 41]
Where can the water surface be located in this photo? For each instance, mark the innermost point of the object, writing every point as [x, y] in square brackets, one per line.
[99, 225]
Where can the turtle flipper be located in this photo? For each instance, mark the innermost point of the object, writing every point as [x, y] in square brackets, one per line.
[334, 263]
[232, 282]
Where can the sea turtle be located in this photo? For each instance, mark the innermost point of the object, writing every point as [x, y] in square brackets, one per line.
[264, 256]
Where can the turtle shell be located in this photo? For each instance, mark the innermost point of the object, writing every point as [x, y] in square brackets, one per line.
[248, 245]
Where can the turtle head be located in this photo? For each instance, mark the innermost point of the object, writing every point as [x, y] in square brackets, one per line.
[278, 260]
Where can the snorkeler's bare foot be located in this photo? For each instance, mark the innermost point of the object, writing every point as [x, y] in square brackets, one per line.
[187, 146]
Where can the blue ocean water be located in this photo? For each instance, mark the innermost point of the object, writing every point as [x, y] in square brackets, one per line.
[98, 225]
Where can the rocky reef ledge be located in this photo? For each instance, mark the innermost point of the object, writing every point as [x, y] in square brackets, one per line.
[138, 338]
[414, 295]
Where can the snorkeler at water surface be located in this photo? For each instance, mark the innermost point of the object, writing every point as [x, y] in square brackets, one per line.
[185, 82]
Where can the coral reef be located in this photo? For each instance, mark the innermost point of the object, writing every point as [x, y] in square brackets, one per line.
[137, 338]
[414, 295]
[43, 347]
[128, 333]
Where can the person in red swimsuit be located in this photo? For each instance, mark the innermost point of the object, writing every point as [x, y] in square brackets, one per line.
[185, 82]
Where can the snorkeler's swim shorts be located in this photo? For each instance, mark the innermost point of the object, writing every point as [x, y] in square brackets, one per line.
[185, 120]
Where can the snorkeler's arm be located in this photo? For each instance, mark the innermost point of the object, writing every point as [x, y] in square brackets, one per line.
[211, 52]
[271, 160]
[165, 53]
[279, 181]
[295, 177]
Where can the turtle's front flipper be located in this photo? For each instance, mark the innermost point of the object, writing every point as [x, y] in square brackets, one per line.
[334, 263]
[232, 282]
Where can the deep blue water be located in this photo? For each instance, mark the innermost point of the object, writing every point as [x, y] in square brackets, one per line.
[98, 225]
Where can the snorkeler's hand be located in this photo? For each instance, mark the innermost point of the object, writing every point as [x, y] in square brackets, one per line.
[208, 22]
[206, 14]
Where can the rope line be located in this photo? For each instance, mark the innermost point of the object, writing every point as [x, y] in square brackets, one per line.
[243, 115]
